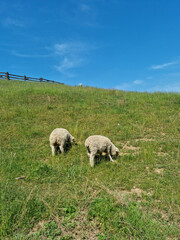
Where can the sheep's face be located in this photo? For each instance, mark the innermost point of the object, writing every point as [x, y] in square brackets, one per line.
[115, 151]
[73, 140]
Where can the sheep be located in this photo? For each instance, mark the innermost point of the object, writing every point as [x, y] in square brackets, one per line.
[59, 138]
[99, 144]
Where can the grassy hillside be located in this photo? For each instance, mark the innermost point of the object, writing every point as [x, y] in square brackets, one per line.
[137, 197]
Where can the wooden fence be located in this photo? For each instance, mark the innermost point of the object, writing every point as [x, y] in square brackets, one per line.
[8, 76]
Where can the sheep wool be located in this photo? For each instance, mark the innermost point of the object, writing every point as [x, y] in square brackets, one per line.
[59, 138]
[99, 144]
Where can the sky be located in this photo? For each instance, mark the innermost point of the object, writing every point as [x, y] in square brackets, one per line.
[131, 45]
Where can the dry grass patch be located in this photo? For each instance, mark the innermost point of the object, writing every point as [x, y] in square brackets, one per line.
[127, 146]
[123, 196]
[159, 170]
[162, 154]
[128, 149]
[145, 139]
[156, 170]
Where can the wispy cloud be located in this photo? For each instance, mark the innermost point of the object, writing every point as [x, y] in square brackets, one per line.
[161, 66]
[69, 48]
[138, 82]
[67, 64]
[12, 22]
[71, 55]
[24, 55]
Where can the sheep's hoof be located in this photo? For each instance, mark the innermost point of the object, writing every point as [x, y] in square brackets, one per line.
[92, 165]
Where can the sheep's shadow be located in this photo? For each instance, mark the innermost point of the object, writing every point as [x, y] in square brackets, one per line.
[67, 148]
[104, 157]
[99, 158]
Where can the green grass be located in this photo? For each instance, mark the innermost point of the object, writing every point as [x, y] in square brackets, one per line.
[137, 197]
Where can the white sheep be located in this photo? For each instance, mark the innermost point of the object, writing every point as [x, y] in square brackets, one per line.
[99, 144]
[59, 138]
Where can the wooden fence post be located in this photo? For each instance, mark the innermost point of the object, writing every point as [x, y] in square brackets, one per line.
[7, 75]
[24, 77]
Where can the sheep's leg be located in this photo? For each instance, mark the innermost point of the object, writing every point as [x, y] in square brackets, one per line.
[61, 149]
[111, 158]
[109, 151]
[53, 150]
[92, 155]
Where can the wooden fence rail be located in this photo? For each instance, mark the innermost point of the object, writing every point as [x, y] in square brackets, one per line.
[9, 76]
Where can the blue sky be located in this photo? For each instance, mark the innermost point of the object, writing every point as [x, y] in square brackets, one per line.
[131, 45]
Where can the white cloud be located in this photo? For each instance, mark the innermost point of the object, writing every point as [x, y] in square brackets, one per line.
[138, 82]
[69, 48]
[71, 55]
[24, 55]
[161, 66]
[60, 48]
[68, 64]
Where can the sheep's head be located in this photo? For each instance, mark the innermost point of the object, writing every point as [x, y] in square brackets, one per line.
[114, 151]
[73, 140]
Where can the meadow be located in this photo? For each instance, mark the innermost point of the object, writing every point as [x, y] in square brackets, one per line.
[62, 197]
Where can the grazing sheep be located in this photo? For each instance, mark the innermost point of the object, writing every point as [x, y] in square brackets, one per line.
[99, 144]
[59, 138]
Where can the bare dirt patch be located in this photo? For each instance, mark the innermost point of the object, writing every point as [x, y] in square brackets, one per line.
[129, 149]
[162, 154]
[137, 191]
[148, 170]
[145, 140]
[162, 133]
[156, 170]
[162, 213]
[127, 146]
[123, 196]
[38, 226]
[159, 170]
